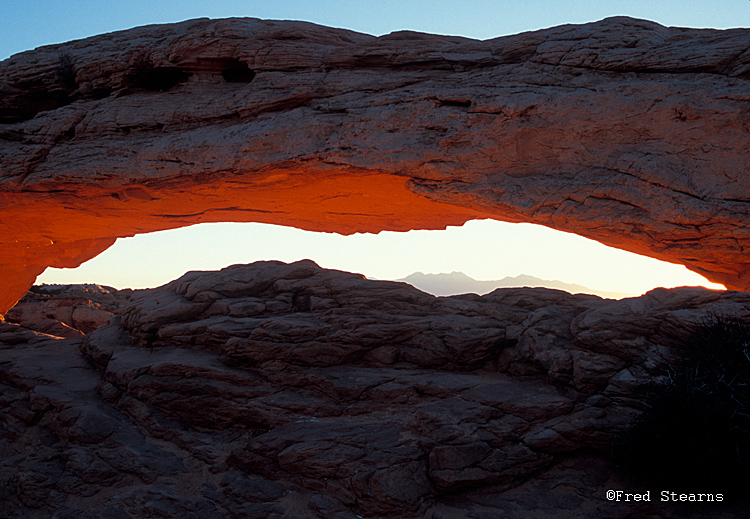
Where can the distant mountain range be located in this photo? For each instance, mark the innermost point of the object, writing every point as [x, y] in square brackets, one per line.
[459, 283]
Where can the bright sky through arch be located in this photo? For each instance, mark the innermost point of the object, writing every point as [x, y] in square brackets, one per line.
[25, 25]
[482, 249]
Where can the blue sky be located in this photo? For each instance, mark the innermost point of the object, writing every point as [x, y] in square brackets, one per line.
[484, 250]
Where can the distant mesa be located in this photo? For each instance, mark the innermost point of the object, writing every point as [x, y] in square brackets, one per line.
[459, 283]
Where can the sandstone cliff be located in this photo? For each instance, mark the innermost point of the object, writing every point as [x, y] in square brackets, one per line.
[276, 391]
[623, 131]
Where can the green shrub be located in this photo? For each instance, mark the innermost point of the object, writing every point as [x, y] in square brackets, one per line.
[695, 430]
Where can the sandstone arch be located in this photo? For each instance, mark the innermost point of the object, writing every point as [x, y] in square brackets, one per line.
[623, 131]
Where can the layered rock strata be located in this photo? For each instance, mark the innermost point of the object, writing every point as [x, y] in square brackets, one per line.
[68, 310]
[623, 131]
[277, 391]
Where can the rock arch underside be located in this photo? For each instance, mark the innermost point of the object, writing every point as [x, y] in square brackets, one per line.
[624, 131]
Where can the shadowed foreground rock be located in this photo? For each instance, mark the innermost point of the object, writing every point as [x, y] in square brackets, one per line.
[290, 391]
[623, 131]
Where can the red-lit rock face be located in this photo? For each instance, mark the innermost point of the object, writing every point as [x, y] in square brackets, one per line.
[622, 131]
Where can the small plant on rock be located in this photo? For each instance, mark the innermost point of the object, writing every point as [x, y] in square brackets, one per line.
[695, 430]
[66, 73]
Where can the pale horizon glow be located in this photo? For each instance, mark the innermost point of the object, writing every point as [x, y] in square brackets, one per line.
[482, 249]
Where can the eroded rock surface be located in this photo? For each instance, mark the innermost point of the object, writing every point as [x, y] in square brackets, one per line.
[623, 131]
[68, 310]
[278, 391]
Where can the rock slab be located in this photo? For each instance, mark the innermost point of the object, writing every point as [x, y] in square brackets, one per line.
[286, 390]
